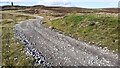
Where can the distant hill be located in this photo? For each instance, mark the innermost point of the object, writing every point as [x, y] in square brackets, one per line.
[60, 9]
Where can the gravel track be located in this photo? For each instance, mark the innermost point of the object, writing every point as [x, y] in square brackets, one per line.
[61, 50]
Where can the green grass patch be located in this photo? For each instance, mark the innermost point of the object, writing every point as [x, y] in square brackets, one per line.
[100, 29]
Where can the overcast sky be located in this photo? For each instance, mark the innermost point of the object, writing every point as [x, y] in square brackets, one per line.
[66, 3]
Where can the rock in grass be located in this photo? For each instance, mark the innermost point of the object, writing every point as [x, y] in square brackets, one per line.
[51, 27]
[96, 22]
[92, 23]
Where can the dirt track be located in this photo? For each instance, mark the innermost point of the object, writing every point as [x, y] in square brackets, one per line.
[62, 50]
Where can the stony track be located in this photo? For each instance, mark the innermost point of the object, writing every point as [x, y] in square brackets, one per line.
[61, 50]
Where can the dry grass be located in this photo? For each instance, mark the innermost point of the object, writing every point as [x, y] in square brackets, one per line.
[12, 50]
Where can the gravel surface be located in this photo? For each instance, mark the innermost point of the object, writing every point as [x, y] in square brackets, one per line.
[61, 50]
